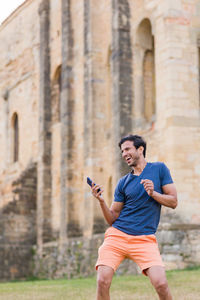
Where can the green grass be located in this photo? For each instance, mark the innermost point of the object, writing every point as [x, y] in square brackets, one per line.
[184, 285]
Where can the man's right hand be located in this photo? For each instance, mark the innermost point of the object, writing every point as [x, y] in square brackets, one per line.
[97, 191]
[110, 214]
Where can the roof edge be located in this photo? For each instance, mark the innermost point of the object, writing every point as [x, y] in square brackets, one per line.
[14, 13]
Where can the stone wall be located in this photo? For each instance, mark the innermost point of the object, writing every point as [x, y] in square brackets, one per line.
[18, 227]
[77, 260]
[77, 75]
[179, 247]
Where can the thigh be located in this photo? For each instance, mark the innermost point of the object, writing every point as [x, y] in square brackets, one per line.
[144, 251]
[112, 252]
[156, 275]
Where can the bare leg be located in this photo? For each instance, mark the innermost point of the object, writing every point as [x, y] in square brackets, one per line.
[104, 279]
[159, 281]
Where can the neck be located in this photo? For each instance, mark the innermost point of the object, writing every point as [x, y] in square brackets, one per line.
[137, 170]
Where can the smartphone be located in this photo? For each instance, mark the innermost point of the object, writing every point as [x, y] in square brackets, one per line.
[89, 181]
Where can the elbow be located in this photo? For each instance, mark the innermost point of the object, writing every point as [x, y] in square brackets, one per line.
[110, 223]
[175, 203]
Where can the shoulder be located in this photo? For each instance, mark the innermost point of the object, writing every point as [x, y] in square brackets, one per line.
[123, 179]
[119, 190]
[158, 165]
[163, 171]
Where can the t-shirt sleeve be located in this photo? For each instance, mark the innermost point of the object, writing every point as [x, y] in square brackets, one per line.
[119, 195]
[165, 175]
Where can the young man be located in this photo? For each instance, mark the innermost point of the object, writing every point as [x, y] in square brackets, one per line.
[133, 218]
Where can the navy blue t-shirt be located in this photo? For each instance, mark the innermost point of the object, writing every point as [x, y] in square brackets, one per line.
[140, 213]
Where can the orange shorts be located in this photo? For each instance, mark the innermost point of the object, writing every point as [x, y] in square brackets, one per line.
[117, 245]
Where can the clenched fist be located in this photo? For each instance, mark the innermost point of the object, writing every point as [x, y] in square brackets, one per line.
[148, 186]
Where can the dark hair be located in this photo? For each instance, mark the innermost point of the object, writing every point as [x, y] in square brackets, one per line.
[137, 142]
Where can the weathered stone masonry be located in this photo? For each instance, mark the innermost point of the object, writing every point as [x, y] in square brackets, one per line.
[88, 112]
[18, 227]
[78, 75]
[44, 149]
[122, 74]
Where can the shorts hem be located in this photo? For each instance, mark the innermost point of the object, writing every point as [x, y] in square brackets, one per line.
[104, 264]
[147, 266]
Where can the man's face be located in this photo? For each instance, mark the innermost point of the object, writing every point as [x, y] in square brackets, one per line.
[130, 154]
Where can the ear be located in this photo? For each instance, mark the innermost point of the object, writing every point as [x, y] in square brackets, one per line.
[141, 149]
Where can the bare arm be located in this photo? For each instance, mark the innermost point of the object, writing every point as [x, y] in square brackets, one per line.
[110, 214]
[169, 196]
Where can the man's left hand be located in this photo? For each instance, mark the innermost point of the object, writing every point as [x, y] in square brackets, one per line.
[148, 186]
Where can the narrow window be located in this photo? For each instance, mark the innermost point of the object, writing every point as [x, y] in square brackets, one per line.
[149, 85]
[16, 138]
[198, 65]
[145, 73]
[56, 91]
[199, 69]
[110, 191]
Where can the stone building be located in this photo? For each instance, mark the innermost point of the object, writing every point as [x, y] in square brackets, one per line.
[76, 75]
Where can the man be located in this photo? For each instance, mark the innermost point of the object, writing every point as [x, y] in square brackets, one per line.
[134, 216]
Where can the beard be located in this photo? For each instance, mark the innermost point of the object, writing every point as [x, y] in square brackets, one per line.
[134, 163]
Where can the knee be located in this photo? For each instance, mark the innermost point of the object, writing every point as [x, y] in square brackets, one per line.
[161, 286]
[103, 282]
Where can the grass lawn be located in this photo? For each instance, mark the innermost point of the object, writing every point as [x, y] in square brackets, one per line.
[184, 284]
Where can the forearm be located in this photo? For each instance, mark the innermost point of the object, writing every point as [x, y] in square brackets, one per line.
[109, 215]
[166, 200]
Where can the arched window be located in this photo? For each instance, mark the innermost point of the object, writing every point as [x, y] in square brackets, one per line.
[198, 45]
[145, 72]
[110, 190]
[199, 71]
[149, 85]
[15, 138]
